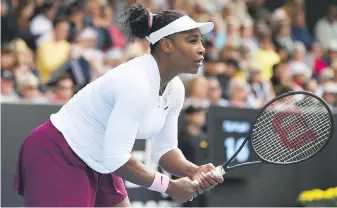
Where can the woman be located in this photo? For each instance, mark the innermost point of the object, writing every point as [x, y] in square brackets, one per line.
[69, 159]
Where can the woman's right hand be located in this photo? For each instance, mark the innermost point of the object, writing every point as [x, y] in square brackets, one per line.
[183, 189]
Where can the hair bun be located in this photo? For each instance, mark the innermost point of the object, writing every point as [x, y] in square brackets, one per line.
[138, 20]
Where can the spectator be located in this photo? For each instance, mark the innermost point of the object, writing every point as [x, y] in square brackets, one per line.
[300, 75]
[333, 68]
[214, 93]
[257, 10]
[326, 76]
[261, 91]
[24, 59]
[64, 89]
[238, 94]
[315, 59]
[21, 25]
[330, 95]
[118, 38]
[214, 68]
[47, 61]
[326, 27]
[311, 86]
[281, 78]
[76, 20]
[231, 70]
[299, 31]
[218, 36]
[89, 43]
[246, 36]
[298, 57]
[28, 87]
[8, 59]
[332, 52]
[230, 51]
[279, 17]
[283, 53]
[292, 6]
[212, 53]
[7, 23]
[193, 143]
[266, 57]
[244, 58]
[43, 23]
[232, 32]
[96, 17]
[7, 87]
[196, 92]
[113, 58]
[87, 40]
[283, 36]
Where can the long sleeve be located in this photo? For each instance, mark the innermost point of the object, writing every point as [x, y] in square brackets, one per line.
[122, 127]
[167, 139]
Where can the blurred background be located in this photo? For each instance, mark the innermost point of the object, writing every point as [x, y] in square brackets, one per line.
[258, 49]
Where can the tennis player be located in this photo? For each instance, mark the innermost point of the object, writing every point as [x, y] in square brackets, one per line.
[80, 155]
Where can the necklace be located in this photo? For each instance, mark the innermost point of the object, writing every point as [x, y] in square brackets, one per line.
[161, 88]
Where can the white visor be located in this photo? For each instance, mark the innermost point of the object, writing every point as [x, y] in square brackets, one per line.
[181, 24]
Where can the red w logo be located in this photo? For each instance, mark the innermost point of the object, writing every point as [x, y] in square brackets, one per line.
[299, 124]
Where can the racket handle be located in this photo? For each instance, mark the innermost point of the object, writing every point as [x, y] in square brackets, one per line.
[220, 171]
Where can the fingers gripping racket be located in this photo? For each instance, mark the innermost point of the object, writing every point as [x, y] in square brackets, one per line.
[289, 129]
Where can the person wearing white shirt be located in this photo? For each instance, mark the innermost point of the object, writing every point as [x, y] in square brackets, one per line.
[82, 154]
[43, 23]
[326, 27]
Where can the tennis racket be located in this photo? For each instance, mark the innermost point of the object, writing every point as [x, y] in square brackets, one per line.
[289, 129]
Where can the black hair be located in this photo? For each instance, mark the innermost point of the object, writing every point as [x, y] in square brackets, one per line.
[47, 6]
[232, 62]
[59, 20]
[137, 18]
[74, 8]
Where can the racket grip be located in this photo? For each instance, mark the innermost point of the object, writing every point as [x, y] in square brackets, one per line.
[219, 171]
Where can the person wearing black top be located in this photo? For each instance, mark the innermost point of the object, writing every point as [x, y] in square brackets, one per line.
[193, 143]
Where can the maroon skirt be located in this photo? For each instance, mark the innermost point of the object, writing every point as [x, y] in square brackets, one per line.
[49, 174]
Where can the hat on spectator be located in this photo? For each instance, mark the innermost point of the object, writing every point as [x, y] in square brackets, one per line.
[7, 75]
[278, 15]
[326, 74]
[114, 54]
[88, 33]
[27, 80]
[299, 68]
[299, 46]
[247, 22]
[333, 45]
[193, 109]
[254, 66]
[330, 88]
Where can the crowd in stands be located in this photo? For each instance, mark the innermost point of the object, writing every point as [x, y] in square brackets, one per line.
[52, 48]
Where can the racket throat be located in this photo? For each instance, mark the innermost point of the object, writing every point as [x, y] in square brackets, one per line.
[220, 171]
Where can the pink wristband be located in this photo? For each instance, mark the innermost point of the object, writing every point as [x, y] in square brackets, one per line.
[160, 183]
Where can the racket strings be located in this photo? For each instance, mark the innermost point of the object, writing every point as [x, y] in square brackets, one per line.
[305, 116]
[289, 153]
[296, 132]
[293, 136]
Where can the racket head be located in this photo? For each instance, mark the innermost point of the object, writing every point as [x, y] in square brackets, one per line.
[279, 147]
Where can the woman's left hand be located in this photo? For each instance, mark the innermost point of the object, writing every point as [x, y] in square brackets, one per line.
[206, 177]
